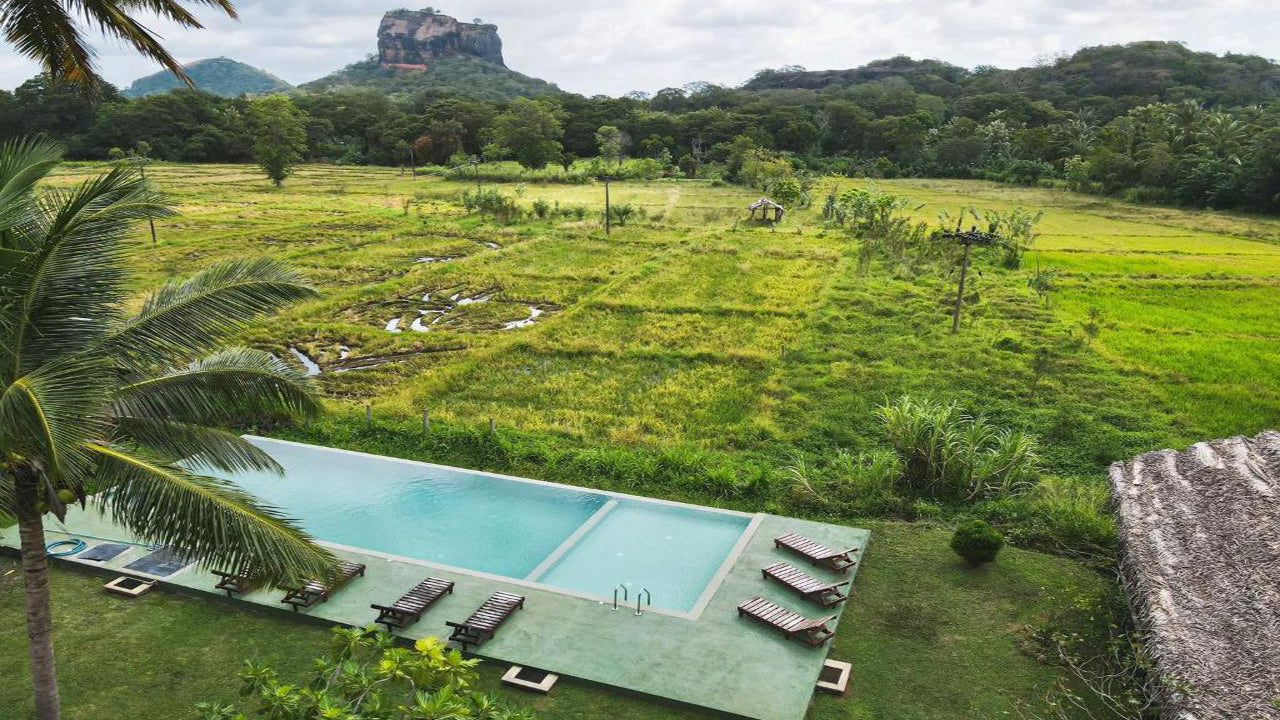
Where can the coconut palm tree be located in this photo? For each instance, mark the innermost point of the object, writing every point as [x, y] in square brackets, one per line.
[121, 411]
[47, 31]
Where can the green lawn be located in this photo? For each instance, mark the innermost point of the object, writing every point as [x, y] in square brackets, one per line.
[929, 639]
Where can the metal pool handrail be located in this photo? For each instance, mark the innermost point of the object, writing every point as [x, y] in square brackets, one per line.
[615, 594]
[644, 592]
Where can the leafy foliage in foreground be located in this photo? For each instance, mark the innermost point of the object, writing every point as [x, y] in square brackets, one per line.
[366, 676]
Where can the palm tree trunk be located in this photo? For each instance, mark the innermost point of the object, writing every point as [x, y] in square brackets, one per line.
[35, 575]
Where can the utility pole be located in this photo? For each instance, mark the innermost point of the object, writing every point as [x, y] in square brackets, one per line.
[968, 239]
[142, 167]
[964, 271]
[413, 162]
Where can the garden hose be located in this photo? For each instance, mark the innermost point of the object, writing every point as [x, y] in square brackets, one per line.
[76, 545]
[105, 539]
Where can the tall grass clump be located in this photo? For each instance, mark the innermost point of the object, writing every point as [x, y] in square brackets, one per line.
[948, 455]
[851, 483]
[1074, 515]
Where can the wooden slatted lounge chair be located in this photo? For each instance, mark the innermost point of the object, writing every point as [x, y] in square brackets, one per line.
[314, 592]
[409, 608]
[484, 622]
[234, 584]
[817, 553]
[810, 588]
[793, 625]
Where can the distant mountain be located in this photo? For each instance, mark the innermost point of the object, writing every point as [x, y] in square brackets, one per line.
[220, 76]
[931, 72]
[1151, 70]
[422, 50]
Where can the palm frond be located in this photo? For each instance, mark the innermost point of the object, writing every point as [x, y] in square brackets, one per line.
[68, 289]
[212, 521]
[8, 494]
[43, 31]
[198, 446]
[47, 415]
[188, 318]
[224, 387]
[23, 163]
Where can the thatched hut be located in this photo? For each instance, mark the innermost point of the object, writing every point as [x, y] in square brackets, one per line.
[1200, 558]
[766, 207]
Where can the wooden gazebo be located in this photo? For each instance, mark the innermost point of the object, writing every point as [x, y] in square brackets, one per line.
[766, 206]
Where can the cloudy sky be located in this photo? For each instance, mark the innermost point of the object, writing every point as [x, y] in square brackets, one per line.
[615, 46]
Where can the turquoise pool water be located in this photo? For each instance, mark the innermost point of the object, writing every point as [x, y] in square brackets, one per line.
[577, 540]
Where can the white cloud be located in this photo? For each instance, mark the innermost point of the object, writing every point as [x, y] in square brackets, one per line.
[598, 47]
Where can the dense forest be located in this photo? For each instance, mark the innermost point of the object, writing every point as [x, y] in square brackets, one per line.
[1152, 122]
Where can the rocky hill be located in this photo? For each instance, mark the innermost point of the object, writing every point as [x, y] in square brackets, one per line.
[425, 51]
[220, 76]
[412, 39]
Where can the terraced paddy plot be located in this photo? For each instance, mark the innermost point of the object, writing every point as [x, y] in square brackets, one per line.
[579, 541]
[601, 396]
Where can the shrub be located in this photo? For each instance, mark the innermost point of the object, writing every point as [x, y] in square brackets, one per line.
[948, 455]
[977, 542]
[490, 202]
[622, 212]
[541, 208]
[366, 674]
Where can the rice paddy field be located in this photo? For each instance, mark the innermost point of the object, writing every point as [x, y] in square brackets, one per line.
[690, 328]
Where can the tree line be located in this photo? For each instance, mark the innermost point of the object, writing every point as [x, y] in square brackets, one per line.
[1204, 133]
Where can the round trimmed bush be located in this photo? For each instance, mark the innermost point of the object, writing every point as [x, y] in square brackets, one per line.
[977, 542]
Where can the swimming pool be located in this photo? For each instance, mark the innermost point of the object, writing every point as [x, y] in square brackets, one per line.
[583, 542]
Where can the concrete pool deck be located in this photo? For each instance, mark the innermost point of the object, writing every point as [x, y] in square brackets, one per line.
[716, 661]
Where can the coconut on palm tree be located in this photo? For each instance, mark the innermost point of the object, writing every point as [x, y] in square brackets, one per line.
[125, 411]
[47, 31]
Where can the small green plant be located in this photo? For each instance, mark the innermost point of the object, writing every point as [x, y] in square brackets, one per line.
[541, 208]
[1044, 282]
[977, 542]
[366, 675]
[1092, 326]
[623, 212]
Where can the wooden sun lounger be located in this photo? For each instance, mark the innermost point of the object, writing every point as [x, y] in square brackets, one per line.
[314, 592]
[234, 584]
[817, 553]
[791, 624]
[810, 588]
[484, 622]
[409, 608]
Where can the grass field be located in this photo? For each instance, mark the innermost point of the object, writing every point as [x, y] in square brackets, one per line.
[692, 356]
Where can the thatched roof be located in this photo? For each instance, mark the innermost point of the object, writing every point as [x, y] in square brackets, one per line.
[1200, 534]
[765, 203]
